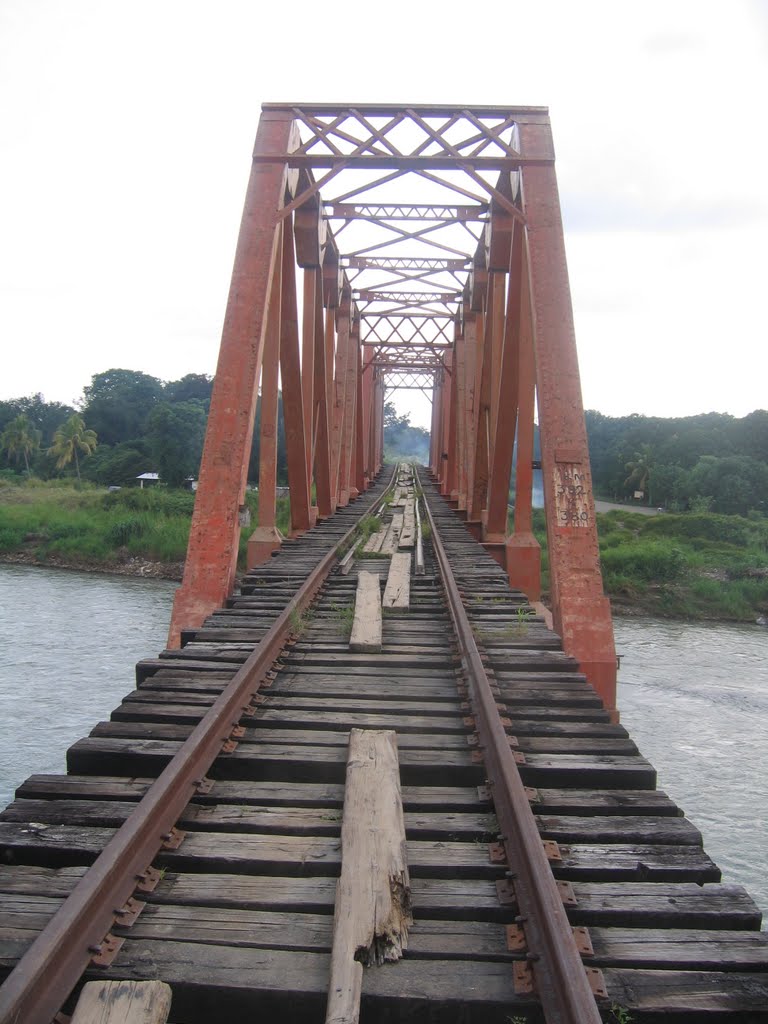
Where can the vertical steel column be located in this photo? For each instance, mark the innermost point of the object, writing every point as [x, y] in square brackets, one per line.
[322, 389]
[379, 422]
[368, 412]
[308, 326]
[478, 495]
[445, 421]
[211, 561]
[358, 456]
[266, 538]
[470, 365]
[451, 468]
[459, 369]
[293, 408]
[523, 550]
[505, 400]
[581, 611]
[339, 384]
[346, 491]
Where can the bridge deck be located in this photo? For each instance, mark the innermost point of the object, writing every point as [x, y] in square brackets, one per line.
[241, 919]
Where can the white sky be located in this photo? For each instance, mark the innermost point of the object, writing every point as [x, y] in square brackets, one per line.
[125, 138]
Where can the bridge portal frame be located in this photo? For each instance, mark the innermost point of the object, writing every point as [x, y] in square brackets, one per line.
[509, 344]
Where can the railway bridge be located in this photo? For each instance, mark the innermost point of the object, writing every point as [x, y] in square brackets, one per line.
[374, 776]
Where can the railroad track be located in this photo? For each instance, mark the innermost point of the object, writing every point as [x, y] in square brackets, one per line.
[549, 878]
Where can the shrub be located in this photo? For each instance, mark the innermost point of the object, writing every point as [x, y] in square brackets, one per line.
[121, 531]
[652, 560]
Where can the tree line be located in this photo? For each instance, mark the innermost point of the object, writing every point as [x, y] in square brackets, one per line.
[128, 423]
[711, 462]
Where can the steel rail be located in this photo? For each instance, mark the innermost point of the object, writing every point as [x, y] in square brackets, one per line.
[419, 540]
[561, 980]
[43, 978]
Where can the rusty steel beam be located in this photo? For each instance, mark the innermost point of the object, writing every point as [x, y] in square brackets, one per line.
[580, 609]
[211, 562]
[297, 443]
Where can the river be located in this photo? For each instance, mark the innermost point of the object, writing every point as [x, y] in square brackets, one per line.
[694, 696]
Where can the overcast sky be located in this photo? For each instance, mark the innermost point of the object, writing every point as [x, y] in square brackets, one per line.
[125, 138]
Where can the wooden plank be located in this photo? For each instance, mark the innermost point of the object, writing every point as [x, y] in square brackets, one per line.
[102, 755]
[234, 851]
[374, 542]
[440, 899]
[698, 996]
[397, 592]
[22, 918]
[608, 828]
[389, 547]
[366, 627]
[676, 948]
[408, 534]
[123, 1002]
[293, 985]
[372, 912]
[667, 905]
[223, 792]
[274, 820]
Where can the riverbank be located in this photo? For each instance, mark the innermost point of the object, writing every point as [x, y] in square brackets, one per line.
[134, 567]
[691, 566]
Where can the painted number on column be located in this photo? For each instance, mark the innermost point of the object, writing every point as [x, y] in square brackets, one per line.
[571, 495]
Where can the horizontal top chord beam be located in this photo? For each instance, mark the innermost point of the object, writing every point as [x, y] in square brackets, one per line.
[424, 109]
[403, 263]
[405, 211]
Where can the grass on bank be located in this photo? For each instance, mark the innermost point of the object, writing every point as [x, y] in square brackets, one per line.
[689, 565]
[55, 520]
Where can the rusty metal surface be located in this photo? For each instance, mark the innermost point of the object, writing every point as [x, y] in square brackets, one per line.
[558, 973]
[44, 977]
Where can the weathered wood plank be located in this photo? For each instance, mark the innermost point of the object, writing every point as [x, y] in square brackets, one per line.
[366, 627]
[372, 912]
[701, 995]
[397, 592]
[677, 948]
[449, 799]
[664, 905]
[123, 1002]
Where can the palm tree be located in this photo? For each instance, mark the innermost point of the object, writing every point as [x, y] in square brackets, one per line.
[70, 438]
[639, 470]
[20, 438]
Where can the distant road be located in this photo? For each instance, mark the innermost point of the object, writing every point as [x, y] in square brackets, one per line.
[609, 506]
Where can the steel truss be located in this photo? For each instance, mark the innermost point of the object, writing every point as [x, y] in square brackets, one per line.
[419, 247]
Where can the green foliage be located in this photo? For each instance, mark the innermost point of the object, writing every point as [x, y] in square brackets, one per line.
[55, 521]
[695, 462]
[70, 440]
[118, 403]
[44, 416]
[20, 439]
[367, 526]
[193, 387]
[120, 464]
[620, 1014]
[655, 560]
[153, 499]
[175, 434]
